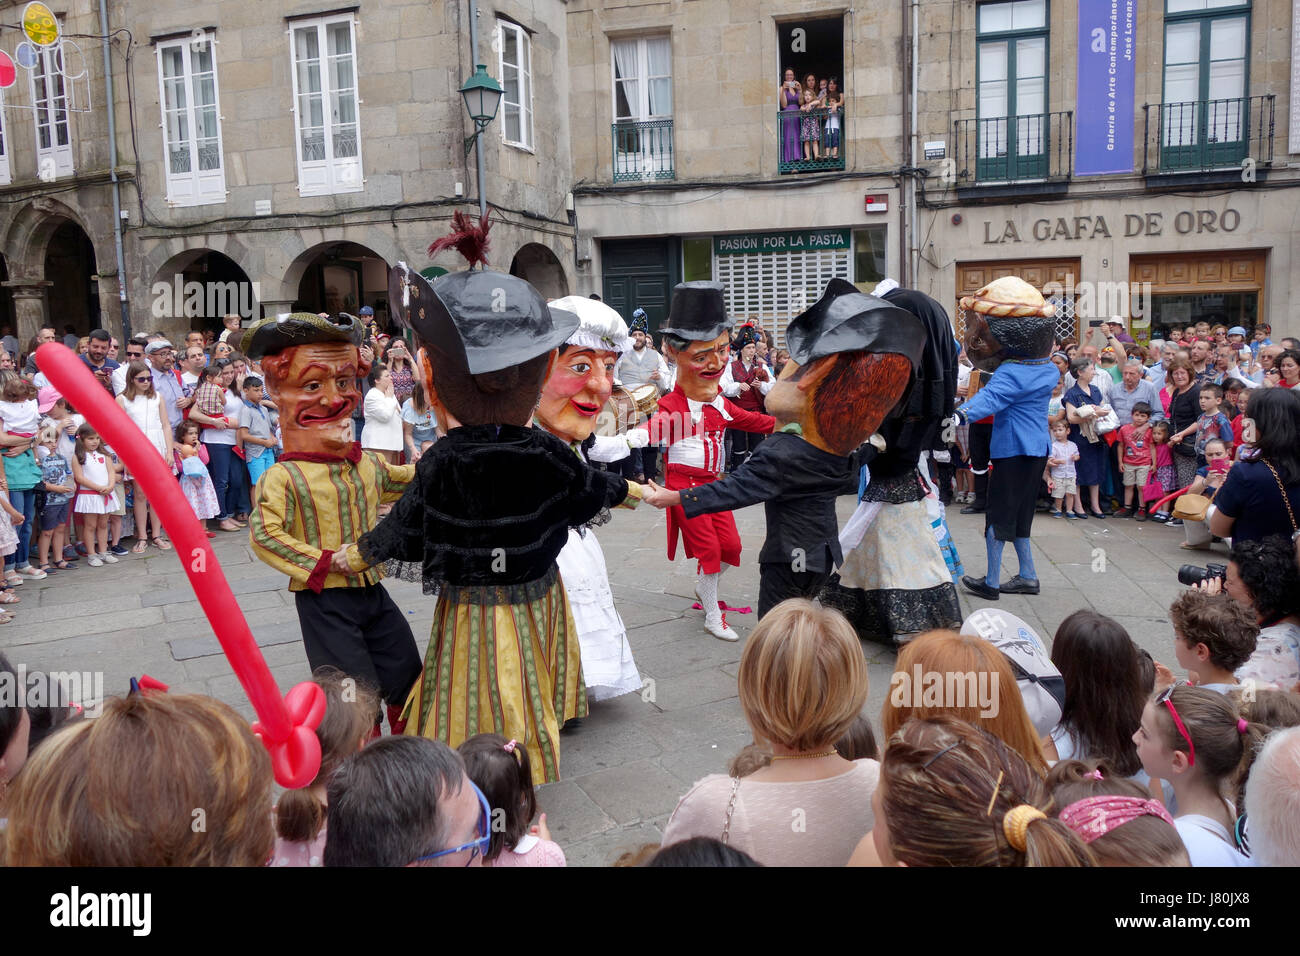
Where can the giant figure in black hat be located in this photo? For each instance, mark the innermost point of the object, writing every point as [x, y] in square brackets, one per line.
[692, 420]
[896, 578]
[852, 358]
[320, 494]
[489, 510]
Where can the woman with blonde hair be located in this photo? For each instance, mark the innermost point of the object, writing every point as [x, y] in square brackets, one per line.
[951, 794]
[127, 789]
[803, 681]
[943, 673]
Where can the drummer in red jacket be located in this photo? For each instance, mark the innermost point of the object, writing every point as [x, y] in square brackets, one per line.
[692, 420]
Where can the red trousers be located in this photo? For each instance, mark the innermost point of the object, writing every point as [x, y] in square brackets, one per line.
[711, 539]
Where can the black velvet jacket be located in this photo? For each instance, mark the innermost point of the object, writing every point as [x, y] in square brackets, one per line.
[797, 484]
[489, 511]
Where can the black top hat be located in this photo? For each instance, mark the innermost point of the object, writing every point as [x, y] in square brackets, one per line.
[487, 320]
[846, 320]
[698, 312]
[274, 334]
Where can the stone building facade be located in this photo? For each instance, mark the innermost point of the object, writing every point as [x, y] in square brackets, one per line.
[277, 154]
[1198, 220]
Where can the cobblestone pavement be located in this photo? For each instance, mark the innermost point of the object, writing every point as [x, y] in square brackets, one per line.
[626, 765]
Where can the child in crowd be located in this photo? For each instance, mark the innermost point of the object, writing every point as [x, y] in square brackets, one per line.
[19, 411]
[96, 479]
[500, 769]
[59, 413]
[123, 506]
[209, 395]
[1212, 423]
[1060, 468]
[192, 466]
[300, 816]
[1137, 459]
[10, 522]
[1196, 739]
[1056, 404]
[1166, 470]
[1116, 817]
[255, 431]
[56, 476]
[1213, 636]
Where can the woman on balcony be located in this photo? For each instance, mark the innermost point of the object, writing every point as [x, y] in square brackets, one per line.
[810, 132]
[789, 95]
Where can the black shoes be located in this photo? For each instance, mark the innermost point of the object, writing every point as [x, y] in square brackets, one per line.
[973, 510]
[979, 588]
[1019, 585]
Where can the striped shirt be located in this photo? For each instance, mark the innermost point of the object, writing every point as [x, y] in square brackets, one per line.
[306, 508]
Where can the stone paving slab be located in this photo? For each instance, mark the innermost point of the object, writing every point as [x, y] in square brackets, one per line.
[626, 765]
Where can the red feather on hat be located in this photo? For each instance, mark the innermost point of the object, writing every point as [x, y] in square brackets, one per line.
[467, 237]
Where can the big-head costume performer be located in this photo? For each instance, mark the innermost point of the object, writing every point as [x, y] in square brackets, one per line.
[323, 492]
[895, 580]
[692, 420]
[1009, 331]
[489, 510]
[851, 360]
[573, 396]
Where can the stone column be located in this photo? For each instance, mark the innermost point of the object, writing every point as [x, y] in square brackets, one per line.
[31, 307]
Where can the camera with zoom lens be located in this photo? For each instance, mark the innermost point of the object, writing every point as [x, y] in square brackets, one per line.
[1192, 575]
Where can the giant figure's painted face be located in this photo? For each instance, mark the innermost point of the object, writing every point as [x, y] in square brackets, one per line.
[315, 387]
[576, 392]
[991, 341]
[700, 366]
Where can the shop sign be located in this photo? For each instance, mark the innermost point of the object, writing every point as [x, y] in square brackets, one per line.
[1131, 225]
[811, 240]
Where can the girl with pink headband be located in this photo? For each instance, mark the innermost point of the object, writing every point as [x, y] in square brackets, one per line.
[1114, 816]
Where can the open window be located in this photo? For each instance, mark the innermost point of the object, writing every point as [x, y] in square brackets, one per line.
[812, 139]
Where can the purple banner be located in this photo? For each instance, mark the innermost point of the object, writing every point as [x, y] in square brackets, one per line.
[1103, 120]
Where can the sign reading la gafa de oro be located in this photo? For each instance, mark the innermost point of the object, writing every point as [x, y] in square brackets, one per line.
[1130, 225]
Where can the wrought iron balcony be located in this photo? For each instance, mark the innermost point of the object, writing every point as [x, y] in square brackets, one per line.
[643, 151]
[1010, 149]
[1205, 135]
[810, 142]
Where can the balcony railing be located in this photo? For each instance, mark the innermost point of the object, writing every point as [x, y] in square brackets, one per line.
[1204, 135]
[810, 142]
[1007, 149]
[643, 151]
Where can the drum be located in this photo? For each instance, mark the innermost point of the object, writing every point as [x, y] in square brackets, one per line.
[619, 413]
[646, 398]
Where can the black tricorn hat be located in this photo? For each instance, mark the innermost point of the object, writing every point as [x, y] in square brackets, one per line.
[846, 320]
[276, 333]
[698, 312]
[487, 320]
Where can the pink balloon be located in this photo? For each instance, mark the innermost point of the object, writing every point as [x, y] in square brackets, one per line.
[287, 725]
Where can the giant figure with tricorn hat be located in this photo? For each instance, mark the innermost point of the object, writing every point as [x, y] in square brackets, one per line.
[852, 358]
[692, 420]
[321, 494]
[489, 509]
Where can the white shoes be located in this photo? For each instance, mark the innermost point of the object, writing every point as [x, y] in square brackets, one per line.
[717, 626]
[94, 561]
[108, 558]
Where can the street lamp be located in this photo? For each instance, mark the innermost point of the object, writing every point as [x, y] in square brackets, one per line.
[482, 97]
